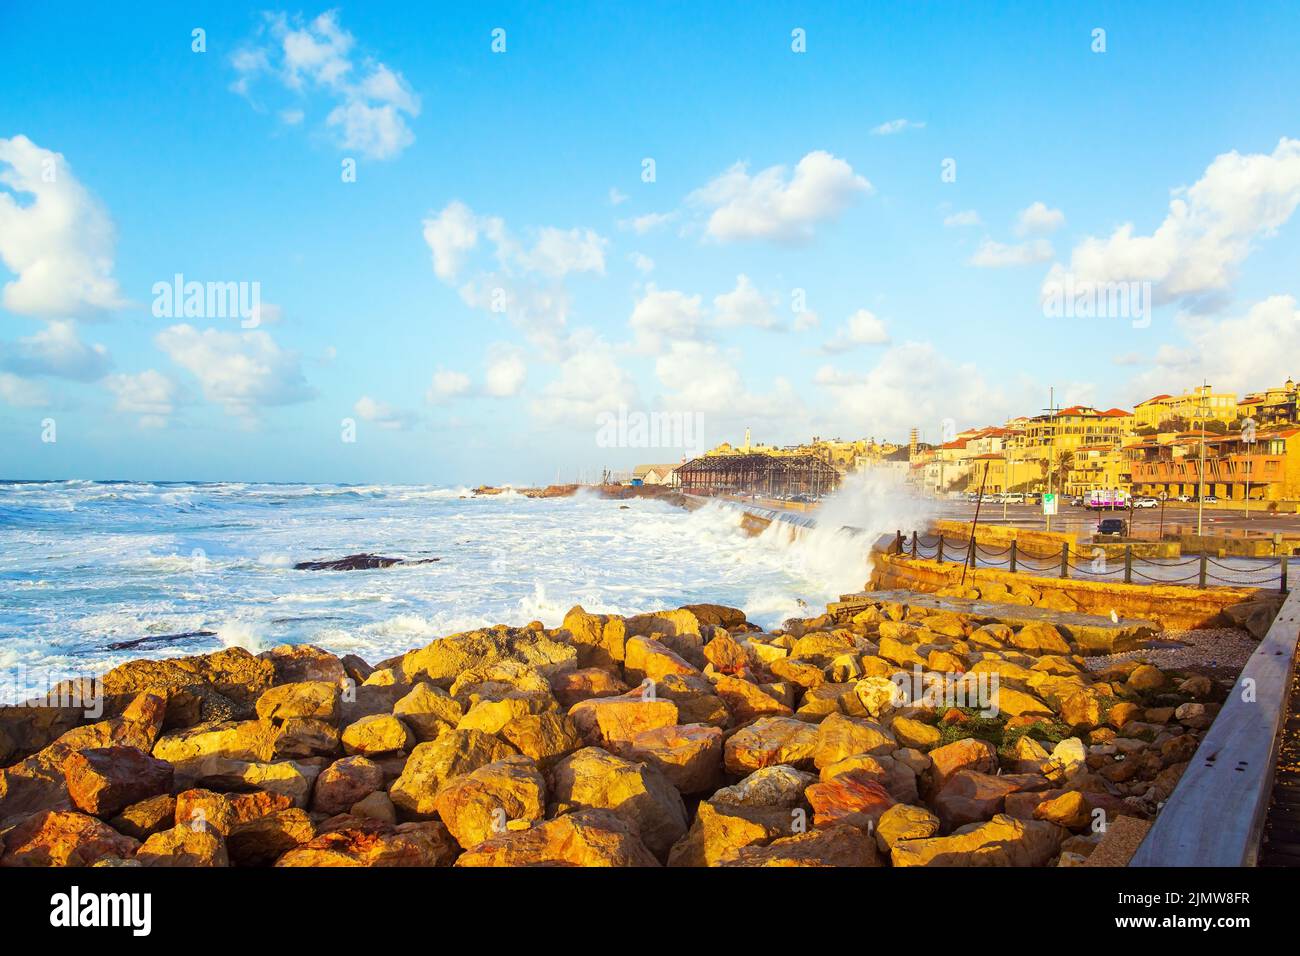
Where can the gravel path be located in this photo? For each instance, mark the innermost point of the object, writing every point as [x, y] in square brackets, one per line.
[1217, 652]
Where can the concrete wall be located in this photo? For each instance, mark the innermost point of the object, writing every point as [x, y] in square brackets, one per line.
[1172, 606]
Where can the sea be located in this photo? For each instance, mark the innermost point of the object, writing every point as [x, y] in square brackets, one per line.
[93, 574]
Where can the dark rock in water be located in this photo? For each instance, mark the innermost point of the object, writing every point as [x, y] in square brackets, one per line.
[358, 562]
[158, 639]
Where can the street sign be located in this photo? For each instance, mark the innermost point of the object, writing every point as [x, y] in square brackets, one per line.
[1049, 503]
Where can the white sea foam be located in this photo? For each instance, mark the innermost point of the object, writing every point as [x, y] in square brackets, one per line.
[123, 568]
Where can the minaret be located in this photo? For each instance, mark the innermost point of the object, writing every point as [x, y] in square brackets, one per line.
[746, 441]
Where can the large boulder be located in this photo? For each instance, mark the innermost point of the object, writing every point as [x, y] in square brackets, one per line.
[61, 838]
[292, 778]
[570, 687]
[769, 741]
[839, 737]
[603, 721]
[832, 846]
[345, 782]
[428, 711]
[141, 820]
[38, 782]
[720, 829]
[852, 798]
[775, 786]
[433, 763]
[358, 841]
[967, 754]
[295, 663]
[205, 809]
[318, 699]
[594, 778]
[583, 838]
[689, 755]
[904, 821]
[105, 780]
[544, 737]
[505, 794]
[1003, 841]
[443, 661]
[747, 700]
[376, 735]
[220, 686]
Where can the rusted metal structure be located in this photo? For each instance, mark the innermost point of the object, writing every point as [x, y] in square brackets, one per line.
[770, 476]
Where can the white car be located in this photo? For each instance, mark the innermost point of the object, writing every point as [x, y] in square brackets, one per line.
[1014, 498]
[1145, 503]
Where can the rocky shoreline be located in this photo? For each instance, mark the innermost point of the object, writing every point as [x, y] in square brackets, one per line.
[684, 737]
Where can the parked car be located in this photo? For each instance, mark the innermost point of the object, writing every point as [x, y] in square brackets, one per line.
[1210, 500]
[1112, 528]
[1145, 503]
[1183, 498]
[1077, 501]
[1014, 498]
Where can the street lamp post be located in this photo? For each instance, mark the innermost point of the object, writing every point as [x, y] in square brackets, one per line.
[1248, 439]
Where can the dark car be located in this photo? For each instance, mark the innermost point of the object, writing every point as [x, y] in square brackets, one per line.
[1111, 527]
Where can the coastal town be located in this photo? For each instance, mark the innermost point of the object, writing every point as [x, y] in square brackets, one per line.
[1198, 444]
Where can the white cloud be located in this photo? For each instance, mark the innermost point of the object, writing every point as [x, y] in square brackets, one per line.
[775, 205]
[745, 306]
[1242, 353]
[1209, 230]
[372, 103]
[506, 372]
[589, 382]
[557, 252]
[56, 351]
[699, 379]
[647, 223]
[151, 395]
[59, 242]
[897, 126]
[615, 197]
[662, 315]
[447, 385]
[22, 393]
[451, 236]
[913, 384]
[998, 255]
[967, 217]
[806, 320]
[383, 415]
[1038, 219]
[644, 264]
[861, 328]
[241, 371]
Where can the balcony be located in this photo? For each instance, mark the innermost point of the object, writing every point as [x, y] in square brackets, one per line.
[1258, 469]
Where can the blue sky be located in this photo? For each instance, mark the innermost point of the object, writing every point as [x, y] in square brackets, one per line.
[1167, 159]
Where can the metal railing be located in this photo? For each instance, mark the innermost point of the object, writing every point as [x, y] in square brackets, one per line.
[1202, 571]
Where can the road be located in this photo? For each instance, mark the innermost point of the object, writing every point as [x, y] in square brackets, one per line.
[1146, 522]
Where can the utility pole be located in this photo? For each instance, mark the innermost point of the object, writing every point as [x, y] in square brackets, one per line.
[1203, 410]
[1248, 439]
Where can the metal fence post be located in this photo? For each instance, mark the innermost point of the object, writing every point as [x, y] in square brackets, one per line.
[1204, 562]
[1065, 560]
[1285, 586]
[898, 542]
[1013, 555]
[1128, 564]
[914, 543]
[938, 553]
